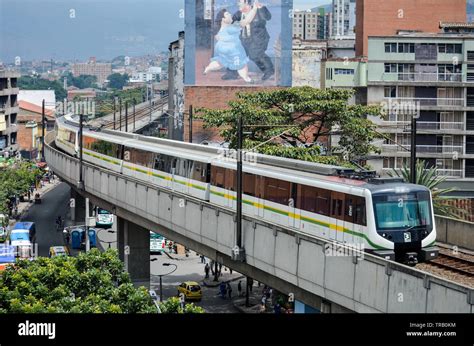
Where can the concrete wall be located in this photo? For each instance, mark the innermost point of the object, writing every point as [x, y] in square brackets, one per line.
[287, 260]
[455, 232]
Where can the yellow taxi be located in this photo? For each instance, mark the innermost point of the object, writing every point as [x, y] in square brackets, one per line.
[191, 290]
[58, 251]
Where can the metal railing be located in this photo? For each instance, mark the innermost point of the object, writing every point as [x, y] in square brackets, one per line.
[426, 125]
[430, 149]
[422, 77]
[411, 102]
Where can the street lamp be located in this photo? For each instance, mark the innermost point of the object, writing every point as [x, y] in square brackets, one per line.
[161, 275]
[103, 241]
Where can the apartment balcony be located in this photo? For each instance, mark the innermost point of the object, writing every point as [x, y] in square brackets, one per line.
[449, 173]
[424, 125]
[424, 149]
[409, 104]
[9, 91]
[421, 77]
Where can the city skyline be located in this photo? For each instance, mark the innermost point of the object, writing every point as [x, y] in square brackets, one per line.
[132, 29]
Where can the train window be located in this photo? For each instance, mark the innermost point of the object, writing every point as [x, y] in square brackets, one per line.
[322, 202]
[218, 176]
[140, 157]
[337, 200]
[249, 184]
[230, 179]
[101, 147]
[277, 191]
[308, 198]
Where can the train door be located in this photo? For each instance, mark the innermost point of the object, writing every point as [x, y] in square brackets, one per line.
[337, 216]
[231, 188]
[294, 216]
[259, 188]
[350, 204]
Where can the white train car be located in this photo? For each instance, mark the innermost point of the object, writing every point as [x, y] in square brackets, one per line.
[387, 217]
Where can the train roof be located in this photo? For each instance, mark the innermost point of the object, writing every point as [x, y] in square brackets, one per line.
[273, 166]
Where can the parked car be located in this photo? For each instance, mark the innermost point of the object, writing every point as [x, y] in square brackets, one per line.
[58, 251]
[191, 290]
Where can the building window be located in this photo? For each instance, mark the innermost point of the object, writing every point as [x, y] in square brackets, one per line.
[390, 91]
[450, 48]
[345, 71]
[390, 47]
[390, 68]
[406, 48]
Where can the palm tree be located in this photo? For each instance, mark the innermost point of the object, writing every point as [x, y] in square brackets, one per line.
[428, 176]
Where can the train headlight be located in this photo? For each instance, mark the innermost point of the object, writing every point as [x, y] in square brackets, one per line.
[384, 235]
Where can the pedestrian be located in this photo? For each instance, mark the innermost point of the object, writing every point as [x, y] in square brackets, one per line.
[223, 289]
[264, 302]
[206, 270]
[229, 290]
[269, 293]
[250, 282]
[239, 288]
[202, 259]
[277, 308]
[230, 270]
[67, 238]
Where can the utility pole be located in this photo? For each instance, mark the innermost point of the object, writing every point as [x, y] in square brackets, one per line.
[120, 118]
[239, 183]
[115, 109]
[126, 116]
[151, 97]
[134, 118]
[43, 124]
[413, 150]
[191, 124]
[81, 130]
[88, 243]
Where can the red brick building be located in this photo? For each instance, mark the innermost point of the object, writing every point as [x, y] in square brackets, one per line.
[29, 124]
[216, 97]
[386, 17]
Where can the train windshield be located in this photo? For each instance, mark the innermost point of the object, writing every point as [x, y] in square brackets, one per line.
[402, 211]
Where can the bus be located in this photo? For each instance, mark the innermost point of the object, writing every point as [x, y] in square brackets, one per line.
[157, 242]
[104, 219]
[23, 237]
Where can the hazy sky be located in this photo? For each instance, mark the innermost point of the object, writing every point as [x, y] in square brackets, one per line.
[77, 29]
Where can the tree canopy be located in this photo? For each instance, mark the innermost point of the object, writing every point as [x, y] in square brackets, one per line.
[92, 282]
[117, 80]
[36, 83]
[82, 81]
[295, 122]
[16, 180]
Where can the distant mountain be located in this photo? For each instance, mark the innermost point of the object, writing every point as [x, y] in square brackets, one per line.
[327, 8]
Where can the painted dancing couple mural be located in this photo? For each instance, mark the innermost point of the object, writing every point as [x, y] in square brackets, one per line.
[240, 38]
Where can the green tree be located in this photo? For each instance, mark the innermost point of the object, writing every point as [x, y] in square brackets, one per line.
[92, 282]
[36, 83]
[173, 306]
[427, 176]
[82, 81]
[117, 80]
[290, 122]
[16, 181]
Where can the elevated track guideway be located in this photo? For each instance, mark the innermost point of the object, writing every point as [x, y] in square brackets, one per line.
[287, 259]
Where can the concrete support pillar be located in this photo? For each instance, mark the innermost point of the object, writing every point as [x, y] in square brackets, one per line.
[78, 211]
[136, 240]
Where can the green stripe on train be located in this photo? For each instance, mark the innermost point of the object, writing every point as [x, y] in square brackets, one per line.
[316, 222]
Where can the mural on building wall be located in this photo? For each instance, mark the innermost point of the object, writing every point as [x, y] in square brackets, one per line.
[238, 42]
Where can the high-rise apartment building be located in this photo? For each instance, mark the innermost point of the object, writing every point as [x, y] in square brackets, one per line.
[92, 68]
[431, 77]
[8, 112]
[387, 17]
[309, 25]
[343, 19]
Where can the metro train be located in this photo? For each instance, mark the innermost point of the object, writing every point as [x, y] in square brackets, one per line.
[386, 217]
